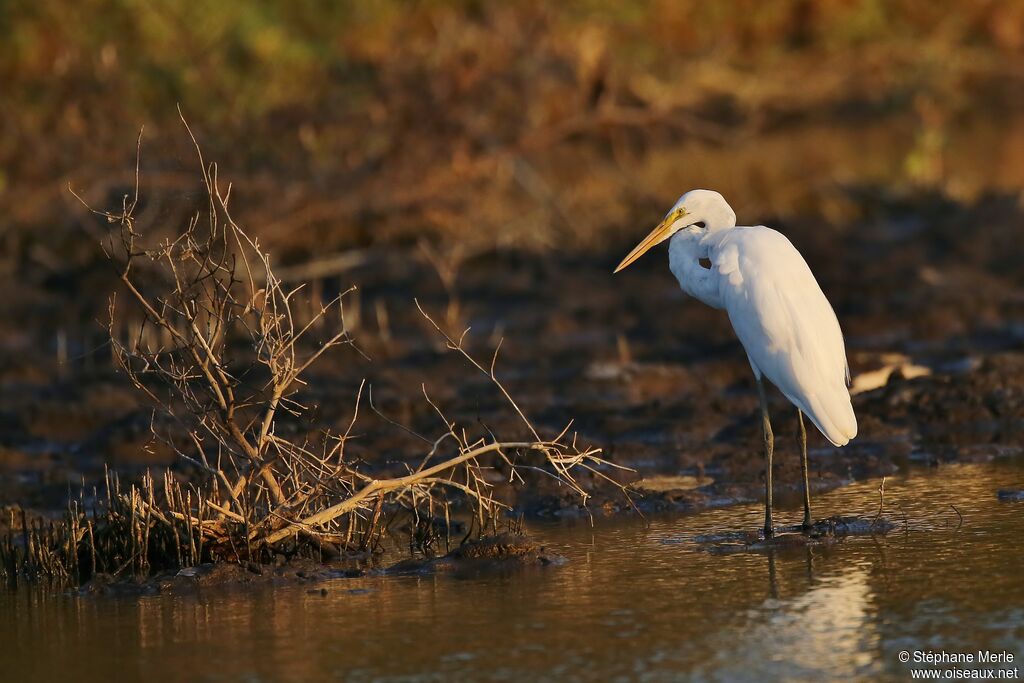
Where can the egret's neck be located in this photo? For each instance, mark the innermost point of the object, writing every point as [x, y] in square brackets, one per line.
[685, 253]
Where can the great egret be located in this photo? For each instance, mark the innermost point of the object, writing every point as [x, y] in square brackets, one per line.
[778, 311]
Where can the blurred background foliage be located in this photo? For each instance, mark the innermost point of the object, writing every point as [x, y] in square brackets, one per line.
[478, 125]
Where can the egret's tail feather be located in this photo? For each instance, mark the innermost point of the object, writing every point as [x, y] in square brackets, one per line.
[834, 417]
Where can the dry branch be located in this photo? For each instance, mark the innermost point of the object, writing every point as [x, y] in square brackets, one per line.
[230, 368]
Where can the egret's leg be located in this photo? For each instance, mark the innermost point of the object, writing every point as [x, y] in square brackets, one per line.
[769, 449]
[803, 469]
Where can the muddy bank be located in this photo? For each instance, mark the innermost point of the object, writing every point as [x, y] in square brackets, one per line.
[505, 552]
[928, 290]
[501, 553]
[222, 576]
[824, 532]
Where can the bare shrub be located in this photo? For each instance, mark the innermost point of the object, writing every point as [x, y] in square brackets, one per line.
[220, 352]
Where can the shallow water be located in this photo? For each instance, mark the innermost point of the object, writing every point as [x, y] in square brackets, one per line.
[634, 602]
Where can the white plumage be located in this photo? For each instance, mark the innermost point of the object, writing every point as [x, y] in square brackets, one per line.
[781, 316]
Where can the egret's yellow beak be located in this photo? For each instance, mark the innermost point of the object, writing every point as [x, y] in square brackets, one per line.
[657, 236]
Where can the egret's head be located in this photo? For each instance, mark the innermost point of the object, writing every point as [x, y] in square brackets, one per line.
[704, 209]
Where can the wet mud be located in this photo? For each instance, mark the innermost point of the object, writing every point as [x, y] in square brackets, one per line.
[501, 553]
[823, 532]
[929, 292]
[505, 552]
[224, 576]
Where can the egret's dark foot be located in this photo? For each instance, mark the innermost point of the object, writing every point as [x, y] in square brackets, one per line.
[769, 532]
[808, 522]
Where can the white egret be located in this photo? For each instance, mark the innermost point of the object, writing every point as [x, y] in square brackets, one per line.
[778, 311]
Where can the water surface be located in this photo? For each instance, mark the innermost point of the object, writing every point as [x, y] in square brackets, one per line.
[635, 601]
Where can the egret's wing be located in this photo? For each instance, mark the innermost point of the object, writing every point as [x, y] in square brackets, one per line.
[786, 325]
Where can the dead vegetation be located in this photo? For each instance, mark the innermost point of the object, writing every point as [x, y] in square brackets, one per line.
[221, 352]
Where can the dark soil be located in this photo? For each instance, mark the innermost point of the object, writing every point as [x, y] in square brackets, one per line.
[655, 379]
[222, 575]
[823, 532]
[500, 553]
[496, 553]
